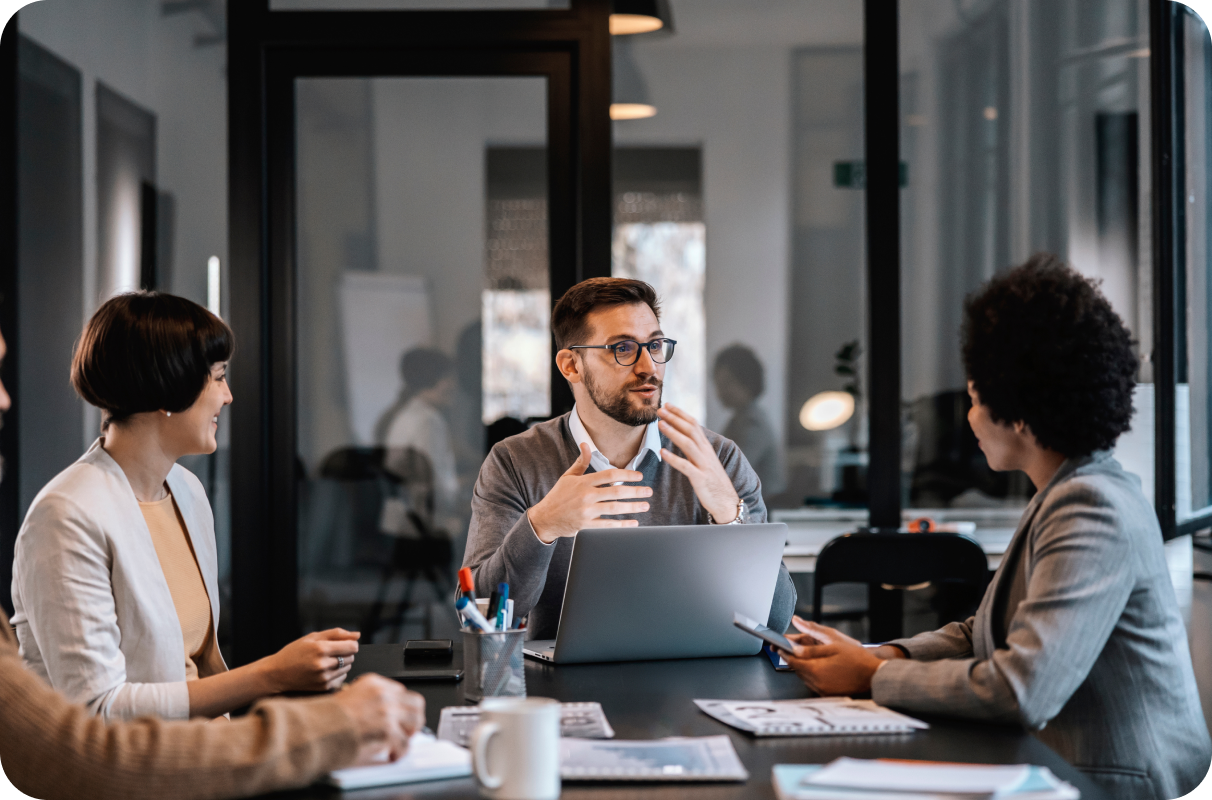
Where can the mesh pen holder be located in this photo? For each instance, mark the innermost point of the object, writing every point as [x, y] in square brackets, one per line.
[493, 664]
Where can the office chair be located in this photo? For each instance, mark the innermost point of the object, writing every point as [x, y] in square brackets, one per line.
[890, 562]
[420, 551]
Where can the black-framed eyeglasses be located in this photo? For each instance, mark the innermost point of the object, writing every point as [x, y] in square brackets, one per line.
[627, 352]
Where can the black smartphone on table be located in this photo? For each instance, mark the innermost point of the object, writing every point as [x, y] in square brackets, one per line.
[768, 635]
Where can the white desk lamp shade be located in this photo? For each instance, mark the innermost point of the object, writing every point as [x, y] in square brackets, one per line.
[827, 410]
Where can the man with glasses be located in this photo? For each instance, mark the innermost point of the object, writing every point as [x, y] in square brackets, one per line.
[617, 460]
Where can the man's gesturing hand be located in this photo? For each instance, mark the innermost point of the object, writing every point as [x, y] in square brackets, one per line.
[578, 501]
[700, 463]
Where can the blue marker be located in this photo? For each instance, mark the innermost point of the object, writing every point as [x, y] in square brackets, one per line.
[472, 614]
[503, 590]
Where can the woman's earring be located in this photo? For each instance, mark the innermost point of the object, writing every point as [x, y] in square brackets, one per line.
[168, 413]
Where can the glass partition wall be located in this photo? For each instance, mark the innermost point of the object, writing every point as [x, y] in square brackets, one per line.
[1025, 128]
[1193, 296]
[422, 275]
[725, 199]
[741, 192]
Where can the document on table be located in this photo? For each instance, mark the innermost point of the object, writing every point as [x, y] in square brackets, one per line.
[817, 716]
[578, 720]
[427, 759]
[880, 779]
[700, 758]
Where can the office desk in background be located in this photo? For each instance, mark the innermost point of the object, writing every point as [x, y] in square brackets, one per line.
[653, 699]
[810, 529]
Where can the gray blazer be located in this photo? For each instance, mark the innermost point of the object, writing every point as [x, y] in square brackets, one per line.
[1078, 638]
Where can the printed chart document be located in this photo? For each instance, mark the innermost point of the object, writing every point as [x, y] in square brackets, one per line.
[817, 716]
[427, 759]
[880, 779]
[579, 720]
[699, 758]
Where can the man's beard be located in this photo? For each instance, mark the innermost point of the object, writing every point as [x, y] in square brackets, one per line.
[618, 407]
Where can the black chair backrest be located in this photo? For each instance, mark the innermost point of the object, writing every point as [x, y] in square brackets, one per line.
[353, 464]
[898, 559]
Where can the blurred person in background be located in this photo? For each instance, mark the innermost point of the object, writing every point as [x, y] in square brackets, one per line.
[416, 425]
[739, 381]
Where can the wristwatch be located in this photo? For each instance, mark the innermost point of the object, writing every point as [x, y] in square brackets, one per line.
[741, 513]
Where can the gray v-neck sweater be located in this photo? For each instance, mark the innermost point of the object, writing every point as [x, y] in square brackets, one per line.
[520, 471]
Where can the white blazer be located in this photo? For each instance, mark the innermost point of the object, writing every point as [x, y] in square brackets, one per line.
[93, 612]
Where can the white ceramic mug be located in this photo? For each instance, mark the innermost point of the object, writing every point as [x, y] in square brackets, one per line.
[515, 750]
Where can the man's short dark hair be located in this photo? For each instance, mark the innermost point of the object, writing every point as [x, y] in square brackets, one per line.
[147, 351]
[743, 364]
[1042, 345]
[423, 367]
[568, 319]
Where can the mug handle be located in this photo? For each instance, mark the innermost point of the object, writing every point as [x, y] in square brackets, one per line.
[479, 754]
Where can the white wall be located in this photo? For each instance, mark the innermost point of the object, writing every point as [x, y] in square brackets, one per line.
[734, 104]
[430, 136]
[152, 60]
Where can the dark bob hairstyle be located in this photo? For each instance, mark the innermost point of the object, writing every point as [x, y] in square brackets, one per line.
[1043, 346]
[147, 351]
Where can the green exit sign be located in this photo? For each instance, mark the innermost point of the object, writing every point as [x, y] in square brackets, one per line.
[853, 174]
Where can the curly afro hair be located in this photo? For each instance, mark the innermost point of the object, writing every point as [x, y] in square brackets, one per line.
[1043, 346]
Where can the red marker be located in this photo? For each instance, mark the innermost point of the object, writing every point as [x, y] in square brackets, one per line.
[466, 584]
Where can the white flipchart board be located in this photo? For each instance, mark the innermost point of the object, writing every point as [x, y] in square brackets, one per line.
[383, 316]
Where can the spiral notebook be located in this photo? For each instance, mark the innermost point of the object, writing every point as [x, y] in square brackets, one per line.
[676, 759]
[817, 716]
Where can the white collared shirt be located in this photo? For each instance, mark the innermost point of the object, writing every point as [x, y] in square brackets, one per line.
[599, 462]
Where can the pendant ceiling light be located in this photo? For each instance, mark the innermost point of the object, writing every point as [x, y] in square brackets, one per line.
[630, 98]
[638, 16]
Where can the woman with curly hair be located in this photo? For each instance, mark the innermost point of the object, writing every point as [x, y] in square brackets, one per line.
[1078, 637]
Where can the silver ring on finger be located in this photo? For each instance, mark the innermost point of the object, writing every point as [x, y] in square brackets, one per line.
[340, 662]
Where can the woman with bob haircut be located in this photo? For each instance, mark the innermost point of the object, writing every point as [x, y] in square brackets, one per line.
[115, 572]
[1078, 637]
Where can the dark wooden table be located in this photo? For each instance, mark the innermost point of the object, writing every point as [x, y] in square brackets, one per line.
[650, 700]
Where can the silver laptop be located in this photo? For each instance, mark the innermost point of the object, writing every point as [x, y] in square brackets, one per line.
[636, 594]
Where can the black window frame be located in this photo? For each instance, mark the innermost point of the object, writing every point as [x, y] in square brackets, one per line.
[267, 51]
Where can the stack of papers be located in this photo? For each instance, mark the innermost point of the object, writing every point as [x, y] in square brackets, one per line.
[818, 716]
[880, 779]
[579, 720]
[427, 759]
[700, 758]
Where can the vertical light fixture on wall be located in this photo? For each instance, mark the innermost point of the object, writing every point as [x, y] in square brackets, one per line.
[212, 285]
[126, 177]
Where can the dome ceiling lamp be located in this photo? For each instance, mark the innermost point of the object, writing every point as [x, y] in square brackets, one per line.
[628, 18]
[630, 92]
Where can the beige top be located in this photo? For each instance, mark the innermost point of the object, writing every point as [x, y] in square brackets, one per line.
[184, 579]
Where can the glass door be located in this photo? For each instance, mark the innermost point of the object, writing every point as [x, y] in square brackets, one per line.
[422, 306]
